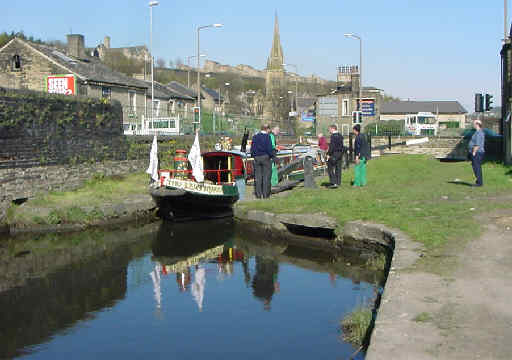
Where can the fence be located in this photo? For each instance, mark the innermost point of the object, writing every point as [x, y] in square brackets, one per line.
[398, 128]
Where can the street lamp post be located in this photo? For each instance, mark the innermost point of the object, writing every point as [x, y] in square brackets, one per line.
[354, 36]
[291, 102]
[188, 64]
[220, 108]
[199, 28]
[151, 5]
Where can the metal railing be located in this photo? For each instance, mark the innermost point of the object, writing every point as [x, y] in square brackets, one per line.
[181, 122]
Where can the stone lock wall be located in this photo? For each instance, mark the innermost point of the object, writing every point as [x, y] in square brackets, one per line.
[442, 148]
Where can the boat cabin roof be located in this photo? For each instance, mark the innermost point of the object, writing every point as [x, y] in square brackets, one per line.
[225, 153]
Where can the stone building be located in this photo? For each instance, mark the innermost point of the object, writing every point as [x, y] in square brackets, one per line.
[277, 104]
[167, 101]
[341, 105]
[506, 98]
[25, 65]
[211, 100]
[139, 53]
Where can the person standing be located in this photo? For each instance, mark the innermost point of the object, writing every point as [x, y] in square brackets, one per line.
[362, 154]
[261, 151]
[322, 142]
[334, 154]
[273, 135]
[476, 150]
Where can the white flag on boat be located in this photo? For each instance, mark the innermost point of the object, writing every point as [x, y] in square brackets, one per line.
[153, 160]
[196, 160]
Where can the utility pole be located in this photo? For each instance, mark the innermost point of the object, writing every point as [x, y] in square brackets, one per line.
[151, 5]
[505, 26]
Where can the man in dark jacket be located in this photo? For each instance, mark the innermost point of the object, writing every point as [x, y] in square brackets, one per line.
[334, 157]
[362, 155]
[262, 153]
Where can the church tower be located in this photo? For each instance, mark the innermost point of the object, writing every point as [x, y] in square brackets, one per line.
[276, 107]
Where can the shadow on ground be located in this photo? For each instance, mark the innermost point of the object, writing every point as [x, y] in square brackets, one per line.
[464, 183]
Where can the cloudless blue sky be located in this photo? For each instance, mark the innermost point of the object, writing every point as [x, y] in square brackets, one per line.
[422, 50]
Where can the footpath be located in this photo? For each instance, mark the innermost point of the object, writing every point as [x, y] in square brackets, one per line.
[465, 315]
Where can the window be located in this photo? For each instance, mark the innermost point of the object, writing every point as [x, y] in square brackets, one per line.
[156, 108]
[131, 101]
[106, 92]
[16, 63]
[345, 108]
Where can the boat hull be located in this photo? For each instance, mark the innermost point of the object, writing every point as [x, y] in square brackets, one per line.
[175, 201]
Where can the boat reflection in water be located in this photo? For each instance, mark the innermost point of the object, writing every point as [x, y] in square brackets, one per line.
[187, 251]
[182, 249]
[192, 254]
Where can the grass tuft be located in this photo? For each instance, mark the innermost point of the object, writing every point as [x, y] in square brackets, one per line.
[377, 262]
[423, 317]
[356, 324]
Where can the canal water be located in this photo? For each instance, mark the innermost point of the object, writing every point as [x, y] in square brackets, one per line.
[177, 291]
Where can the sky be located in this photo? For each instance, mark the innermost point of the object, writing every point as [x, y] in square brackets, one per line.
[412, 49]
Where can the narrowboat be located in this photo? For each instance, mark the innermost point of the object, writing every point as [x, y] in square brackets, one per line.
[223, 185]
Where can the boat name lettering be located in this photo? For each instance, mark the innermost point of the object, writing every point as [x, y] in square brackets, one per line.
[194, 186]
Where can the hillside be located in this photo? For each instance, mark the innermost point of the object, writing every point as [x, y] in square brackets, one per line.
[240, 87]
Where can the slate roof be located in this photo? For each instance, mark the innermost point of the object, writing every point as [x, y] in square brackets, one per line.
[412, 107]
[164, 92]
[212, 93]
[88, 69]
[182, 89]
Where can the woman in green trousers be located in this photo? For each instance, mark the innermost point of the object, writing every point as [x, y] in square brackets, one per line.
[274, 179]
[362, 154]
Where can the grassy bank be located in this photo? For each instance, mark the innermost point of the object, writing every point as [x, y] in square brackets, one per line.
[84, 205]
[412, 193]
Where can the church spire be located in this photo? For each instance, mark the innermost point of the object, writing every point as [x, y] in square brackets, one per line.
[276, 58]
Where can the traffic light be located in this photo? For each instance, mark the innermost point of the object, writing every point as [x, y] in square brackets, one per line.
[479, 103]
[488, 102]
[196, 115]
[356, 117]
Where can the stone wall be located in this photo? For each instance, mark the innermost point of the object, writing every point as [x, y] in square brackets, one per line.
[43, 129]
[438, 147]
